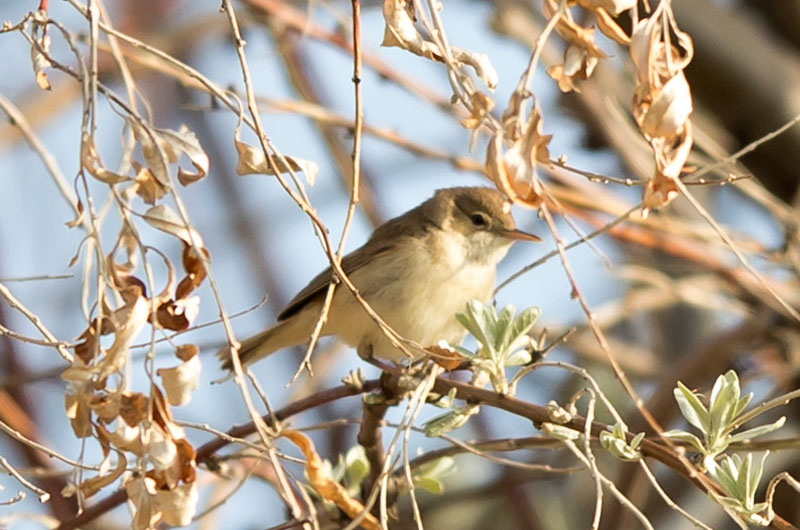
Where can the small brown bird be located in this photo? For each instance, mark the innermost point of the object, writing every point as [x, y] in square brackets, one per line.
[416, 271]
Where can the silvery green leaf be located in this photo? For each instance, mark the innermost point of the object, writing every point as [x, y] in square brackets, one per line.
[743, 478]
[560, 432]
[557, 413]
[449, 421]
[723, 402]
[518, 358]
[691, 407]
[755, 432]
[524, 322]
[483, 318]
[438, 468]
[637, 440]
[726, 474]
[754, 477]
[356, 467]
[503, 328]
[740, 406]
[430, 484]
[687, 437]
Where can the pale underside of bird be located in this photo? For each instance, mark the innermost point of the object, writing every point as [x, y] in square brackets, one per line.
[416, 272]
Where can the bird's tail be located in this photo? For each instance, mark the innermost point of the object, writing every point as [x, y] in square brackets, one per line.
[260, 345]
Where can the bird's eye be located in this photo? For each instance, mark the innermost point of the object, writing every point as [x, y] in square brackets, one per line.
[479, 220]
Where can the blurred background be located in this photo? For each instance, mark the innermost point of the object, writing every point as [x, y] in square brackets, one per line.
[676, 303]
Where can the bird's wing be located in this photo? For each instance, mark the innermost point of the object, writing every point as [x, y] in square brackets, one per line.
[385, 237]
[316, 287]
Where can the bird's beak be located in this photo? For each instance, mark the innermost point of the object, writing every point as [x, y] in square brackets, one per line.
[518, 235]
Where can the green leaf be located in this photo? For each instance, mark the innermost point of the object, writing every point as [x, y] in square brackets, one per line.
[356, 467]
[755, 432]
[448, 421]
[691, 407]
[755, 476]
[518, 358]
[724, 401]
[683, 436]
[503, 329]
[740, 406]
[430, 484]
[560, 432]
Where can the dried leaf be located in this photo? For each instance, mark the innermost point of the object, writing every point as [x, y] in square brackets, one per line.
[125, 438]
[133, 407]
[180, 381]
[578, 66]
[141, 494]
[252, 160]
[165, 219]
[573, 32]
[401, 32]
[514, 171]
[146, 186]
[609, 27]
[183, 141]
[445, 356]
[154, 155]
[41, 62]
[90, 160]
[178, 315]
[195, 271]
[184, 352]
[129, 321]
[92, 485]
[669, 110]
[482, 105]
[319, 476]
[79, 413]
[178, 505]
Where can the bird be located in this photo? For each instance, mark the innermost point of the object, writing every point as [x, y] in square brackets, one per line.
[416, 272]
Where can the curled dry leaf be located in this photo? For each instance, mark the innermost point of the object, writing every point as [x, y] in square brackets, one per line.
[180, 381]
[90, 160]
[90, 486]
[571, 31]
[178, 315]
[514, 170]
[141, 493]
[179, 504]
[578, 66]
[164, 218]
[195, 271]
[663, 113]
[41, 62]
[609, 27]
[133, 408]
[146, 186]
[401, 32]
[252, 160]
[482, 105]
[320, 478]
[154, 155]
[662, 101]
[445, 356]
[128, 322]
[78, 396]
[183, 141]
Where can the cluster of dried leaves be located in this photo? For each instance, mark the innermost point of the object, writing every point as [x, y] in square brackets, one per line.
[136, 426]
[662, 100]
